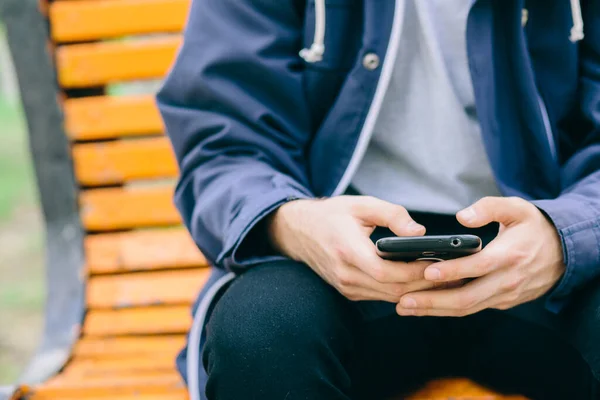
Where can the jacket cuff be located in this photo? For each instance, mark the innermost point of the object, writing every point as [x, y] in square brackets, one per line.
[579, 229]
[243, 234]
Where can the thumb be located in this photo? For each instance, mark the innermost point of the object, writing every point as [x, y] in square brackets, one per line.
[505, 210]
[382, 213]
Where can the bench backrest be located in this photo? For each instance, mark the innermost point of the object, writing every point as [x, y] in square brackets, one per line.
[142, 269]
[139, 260]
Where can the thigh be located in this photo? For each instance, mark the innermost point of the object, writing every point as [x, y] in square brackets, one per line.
[280, 331]
[282, 295]
[284, 315]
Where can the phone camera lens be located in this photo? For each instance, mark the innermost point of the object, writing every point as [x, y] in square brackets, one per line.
[455, 242]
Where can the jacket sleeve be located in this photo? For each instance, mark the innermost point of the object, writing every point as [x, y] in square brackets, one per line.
[234, 109]
[576, 212]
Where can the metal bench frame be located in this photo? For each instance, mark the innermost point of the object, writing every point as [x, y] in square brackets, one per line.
[65, 263]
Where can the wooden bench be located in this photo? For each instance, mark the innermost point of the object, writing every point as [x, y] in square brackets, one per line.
[122, 271]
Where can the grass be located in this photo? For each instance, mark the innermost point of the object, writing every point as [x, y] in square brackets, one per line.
[21, 250]
[15, 167]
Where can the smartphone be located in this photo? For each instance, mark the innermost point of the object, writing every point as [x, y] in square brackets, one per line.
[431, 248]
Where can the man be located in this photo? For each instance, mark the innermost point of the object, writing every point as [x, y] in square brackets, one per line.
[305, 129]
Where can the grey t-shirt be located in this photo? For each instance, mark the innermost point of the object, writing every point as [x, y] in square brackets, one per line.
[426, 152]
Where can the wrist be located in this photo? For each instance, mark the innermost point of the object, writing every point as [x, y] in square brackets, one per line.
[282, 222]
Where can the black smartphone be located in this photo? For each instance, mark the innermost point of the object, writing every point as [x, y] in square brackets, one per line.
[434, 248]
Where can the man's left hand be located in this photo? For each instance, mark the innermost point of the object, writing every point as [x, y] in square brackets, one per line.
[521, 264]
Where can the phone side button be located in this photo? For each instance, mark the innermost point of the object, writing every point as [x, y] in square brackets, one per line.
[428, 253]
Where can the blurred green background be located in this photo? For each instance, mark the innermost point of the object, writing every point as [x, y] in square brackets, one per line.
[22, 290]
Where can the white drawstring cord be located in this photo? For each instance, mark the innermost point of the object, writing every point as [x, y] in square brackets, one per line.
[317, 49]
[193, 350]
[577, 29]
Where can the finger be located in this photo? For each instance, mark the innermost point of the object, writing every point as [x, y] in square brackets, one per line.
[357, 293]
[398, 289]
[393, 292]
[505, 210]
[388, 215]
[493, 302]
[437, 313]
[418, 286]
[354, 277]
[461, 299]
[386, 271]
[476, 265]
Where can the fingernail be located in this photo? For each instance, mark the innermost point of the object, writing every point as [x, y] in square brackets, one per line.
[415, 227]
[468, 214]
[433, 274]
[408, 302]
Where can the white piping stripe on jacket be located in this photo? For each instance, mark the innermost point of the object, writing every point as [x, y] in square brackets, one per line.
[548, 128]
[380, 91]
[193, 350]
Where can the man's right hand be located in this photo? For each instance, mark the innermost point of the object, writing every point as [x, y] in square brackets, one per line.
[332, 237]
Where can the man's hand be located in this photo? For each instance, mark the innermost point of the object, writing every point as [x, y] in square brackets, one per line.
[521, 264]
[332, 237]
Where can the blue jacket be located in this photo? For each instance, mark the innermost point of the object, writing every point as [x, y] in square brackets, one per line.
[253, 125]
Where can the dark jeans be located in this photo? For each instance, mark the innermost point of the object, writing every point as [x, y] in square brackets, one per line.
[280, 332]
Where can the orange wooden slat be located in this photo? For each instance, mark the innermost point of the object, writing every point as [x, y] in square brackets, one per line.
[138, 321]
[124, 380]
[177, 394]
[94, 64]
[142, 250]
[89, 20]
[90, 347]
[104, 117]
[458, 389]
[117, 366]
[73, 387]
[116, 208]
[124, 160]
[145, 289]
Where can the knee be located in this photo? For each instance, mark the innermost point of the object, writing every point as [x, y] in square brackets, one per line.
[269, 316]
